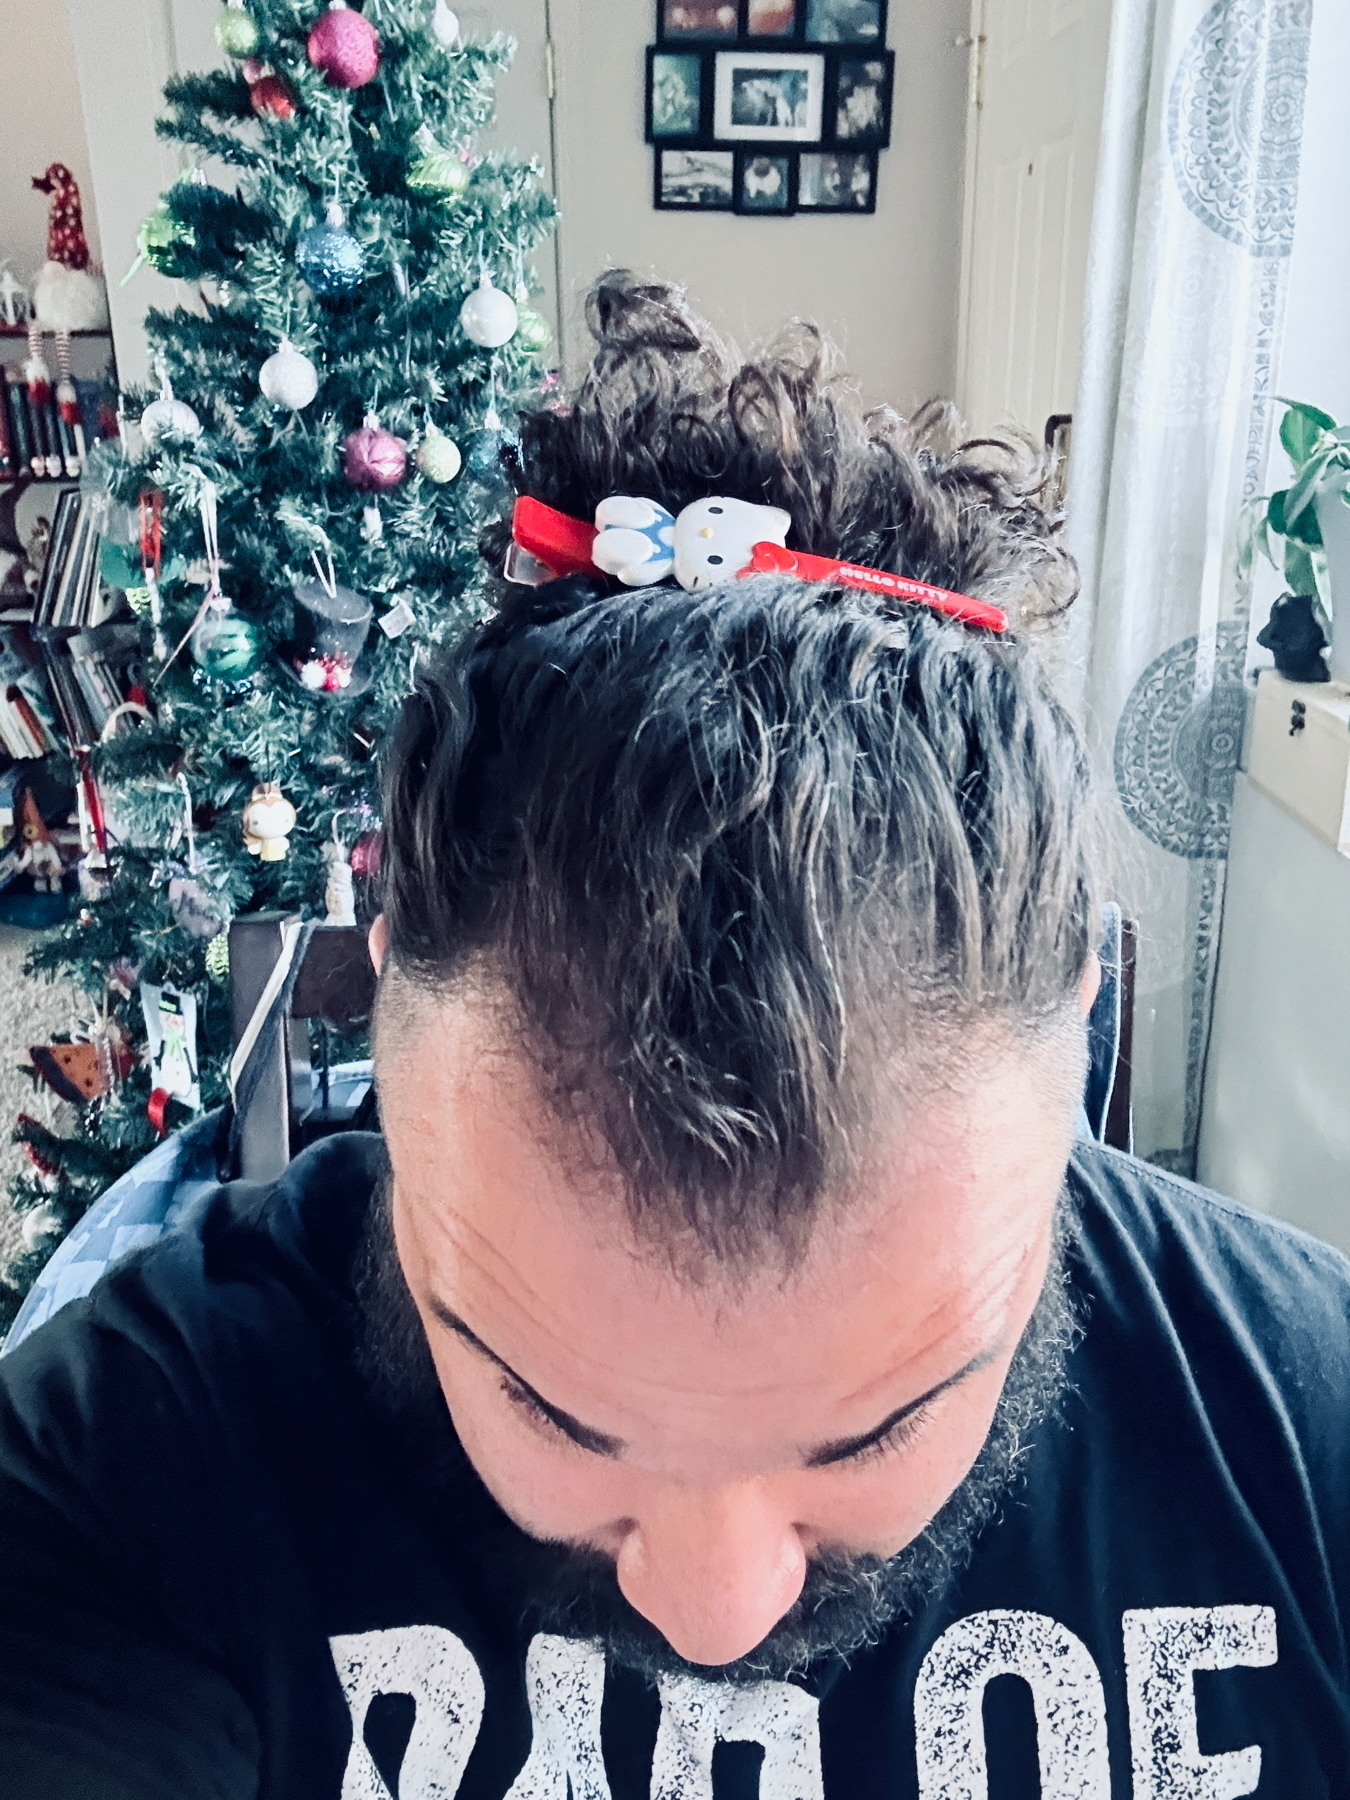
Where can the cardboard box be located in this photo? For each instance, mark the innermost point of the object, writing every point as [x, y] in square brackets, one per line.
[1300, 752]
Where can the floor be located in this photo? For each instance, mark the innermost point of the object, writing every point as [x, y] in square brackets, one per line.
[30, 1011]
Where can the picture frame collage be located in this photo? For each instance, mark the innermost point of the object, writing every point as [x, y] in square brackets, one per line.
[768, 107]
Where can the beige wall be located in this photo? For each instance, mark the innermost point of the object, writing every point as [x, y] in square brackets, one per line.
[40, 106]
[884, 285]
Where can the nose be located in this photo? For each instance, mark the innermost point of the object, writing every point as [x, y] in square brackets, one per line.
[713, 1571]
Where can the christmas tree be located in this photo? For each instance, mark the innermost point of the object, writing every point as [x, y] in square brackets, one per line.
[293, 516]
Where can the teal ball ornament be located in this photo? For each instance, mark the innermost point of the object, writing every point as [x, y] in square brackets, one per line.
[329, 257]
[236, 32]
[120, 566]
[226, 646]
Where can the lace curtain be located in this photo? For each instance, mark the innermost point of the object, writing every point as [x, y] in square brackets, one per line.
[1192, 231]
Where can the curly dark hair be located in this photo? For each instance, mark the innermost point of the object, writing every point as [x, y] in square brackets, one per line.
[740, 856]
[669, 411]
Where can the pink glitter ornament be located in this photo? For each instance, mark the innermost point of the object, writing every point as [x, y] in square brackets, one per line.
[374, 459]
[345, 46]
[365, 857]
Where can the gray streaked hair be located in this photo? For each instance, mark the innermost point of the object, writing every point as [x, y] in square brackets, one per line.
[734, 853]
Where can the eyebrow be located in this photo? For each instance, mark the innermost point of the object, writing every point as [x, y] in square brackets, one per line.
[844, 1448]
[600, 1443]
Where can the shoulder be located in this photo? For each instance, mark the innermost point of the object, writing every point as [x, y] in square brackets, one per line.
[244, 1269]
[1237, 1293]
[1180, 1228]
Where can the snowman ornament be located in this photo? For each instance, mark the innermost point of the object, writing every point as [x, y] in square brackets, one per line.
[639, 542]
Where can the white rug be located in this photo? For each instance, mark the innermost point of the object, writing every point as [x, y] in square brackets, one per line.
[30, 1011]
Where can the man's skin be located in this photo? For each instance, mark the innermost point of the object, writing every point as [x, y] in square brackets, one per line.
[711, 1436]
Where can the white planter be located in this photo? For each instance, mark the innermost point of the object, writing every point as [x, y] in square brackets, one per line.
[1333, 515]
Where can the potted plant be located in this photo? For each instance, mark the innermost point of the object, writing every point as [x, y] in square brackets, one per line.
[1304, 529]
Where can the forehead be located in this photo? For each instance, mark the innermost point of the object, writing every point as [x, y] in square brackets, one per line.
[531, 1243]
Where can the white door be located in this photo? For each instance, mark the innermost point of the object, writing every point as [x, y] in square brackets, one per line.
[1038, 75]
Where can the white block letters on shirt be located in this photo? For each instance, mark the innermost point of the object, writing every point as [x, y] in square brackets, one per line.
[433, 1666]
[696, 1714]
[1164, 1646]
[1065, 1687]
[565, 1679]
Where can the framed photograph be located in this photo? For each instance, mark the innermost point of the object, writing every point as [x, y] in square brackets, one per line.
[768, 97]
[676, 88]
[846, 22]
[837, 181]
[771, 18]
[765, 180]
[695, 180]
[861, 101]
[697, 19]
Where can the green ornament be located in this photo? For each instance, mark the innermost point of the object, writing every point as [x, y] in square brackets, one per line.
[225, 646]
[218, 957]
[236, 32]
[534, 333]
[159, 237]
[438, 457]
[437, 170]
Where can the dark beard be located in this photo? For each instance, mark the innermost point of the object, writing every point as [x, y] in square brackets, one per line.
[847, 1602]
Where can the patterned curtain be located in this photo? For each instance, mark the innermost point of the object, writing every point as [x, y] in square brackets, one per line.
[1192, 232]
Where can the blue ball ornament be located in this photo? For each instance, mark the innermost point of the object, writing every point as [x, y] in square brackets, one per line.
[483, 452]
[329, 257]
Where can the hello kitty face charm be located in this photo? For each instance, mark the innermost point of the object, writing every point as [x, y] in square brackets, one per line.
[714, 538]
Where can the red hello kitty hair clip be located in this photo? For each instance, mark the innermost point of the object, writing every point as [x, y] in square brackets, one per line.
[712, 541]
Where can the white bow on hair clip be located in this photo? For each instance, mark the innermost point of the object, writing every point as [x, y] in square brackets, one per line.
[640, 543]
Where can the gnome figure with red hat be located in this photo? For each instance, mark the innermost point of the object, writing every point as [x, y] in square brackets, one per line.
[69, 295]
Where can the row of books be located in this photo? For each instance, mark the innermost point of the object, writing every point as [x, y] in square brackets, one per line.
[35, 439]
[65, 671]
[70, 595]
[62, 693]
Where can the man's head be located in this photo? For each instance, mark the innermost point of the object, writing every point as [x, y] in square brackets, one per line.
[730, 1032]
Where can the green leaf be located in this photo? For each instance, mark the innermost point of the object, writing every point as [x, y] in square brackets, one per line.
[1301, 427]
[1306, 527]
[1276, 512]
[1304, 490]
[1299, 573]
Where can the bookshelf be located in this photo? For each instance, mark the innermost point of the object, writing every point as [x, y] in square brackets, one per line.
[36, 446]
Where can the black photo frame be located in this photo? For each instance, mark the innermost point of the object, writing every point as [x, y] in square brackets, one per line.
[858, 100]
[692, 179]
[749, 84]
[854, 24]
[836, 181]
[698, 21]
[766, 182]
[848, 24]
[673, 70]
[773, 24]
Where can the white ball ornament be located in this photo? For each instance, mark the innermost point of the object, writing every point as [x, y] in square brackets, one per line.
[41, 1225]
[444, 26]
[288, 378]
[167, 415]
[489, 317]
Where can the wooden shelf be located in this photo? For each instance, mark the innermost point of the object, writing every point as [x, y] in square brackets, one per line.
[21, 331]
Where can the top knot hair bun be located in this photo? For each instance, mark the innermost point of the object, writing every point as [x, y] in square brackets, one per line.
[672, 411]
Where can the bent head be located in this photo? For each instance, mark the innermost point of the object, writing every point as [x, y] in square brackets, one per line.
[729, 1044]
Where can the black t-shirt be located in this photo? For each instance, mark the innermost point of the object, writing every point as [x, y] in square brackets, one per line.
[227, 1571]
